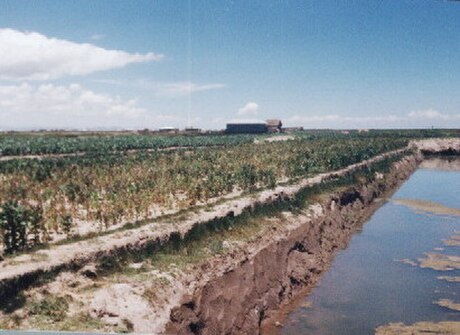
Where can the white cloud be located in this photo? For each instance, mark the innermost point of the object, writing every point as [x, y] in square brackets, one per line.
[246, 120]
[182, 88]
[108, 81]
[417, 119]
[70, 106]
[33, 56]
[431, 114]
[340, 119]
[251, 108]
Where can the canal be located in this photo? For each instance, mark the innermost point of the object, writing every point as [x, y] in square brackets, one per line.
[404, 265]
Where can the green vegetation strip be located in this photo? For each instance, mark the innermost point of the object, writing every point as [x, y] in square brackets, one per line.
[68, 192]
[35, 144]
[16, 143]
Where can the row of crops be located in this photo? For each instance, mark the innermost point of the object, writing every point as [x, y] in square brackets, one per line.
[52, 144]
[55, 194]
[12, 144]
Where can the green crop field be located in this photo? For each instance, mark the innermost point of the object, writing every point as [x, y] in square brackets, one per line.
[108, 184]
[19, 144]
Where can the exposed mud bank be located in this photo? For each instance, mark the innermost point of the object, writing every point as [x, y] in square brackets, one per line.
[445, 147]
[428, 206]
[241, 293]
[420, 328]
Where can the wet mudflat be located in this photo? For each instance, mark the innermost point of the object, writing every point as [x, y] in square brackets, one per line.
[402, 268]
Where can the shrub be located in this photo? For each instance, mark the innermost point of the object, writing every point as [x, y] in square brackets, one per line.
[35, 218]
[14, 225]
[15, 222]
[66, 223]
[54, 307]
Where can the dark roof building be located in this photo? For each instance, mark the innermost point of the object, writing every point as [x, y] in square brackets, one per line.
[168, 130]
[246, 128]
[192, 130]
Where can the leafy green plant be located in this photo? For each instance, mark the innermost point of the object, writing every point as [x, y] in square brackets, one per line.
[35, 219]
[66, 223]
[16, 221]
[14, 225]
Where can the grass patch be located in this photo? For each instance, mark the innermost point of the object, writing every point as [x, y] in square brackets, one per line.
[78, 323]
[51, 307]
[39, 257]
[51, 313]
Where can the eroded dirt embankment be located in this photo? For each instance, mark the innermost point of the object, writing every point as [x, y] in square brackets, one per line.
[240, 293]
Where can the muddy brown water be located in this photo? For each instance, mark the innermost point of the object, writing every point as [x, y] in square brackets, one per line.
[368, 285]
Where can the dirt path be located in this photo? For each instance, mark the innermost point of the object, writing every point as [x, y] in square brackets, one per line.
[82, 153]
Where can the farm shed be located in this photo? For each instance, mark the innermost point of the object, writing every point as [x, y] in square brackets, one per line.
[274, 125]
[192, 130]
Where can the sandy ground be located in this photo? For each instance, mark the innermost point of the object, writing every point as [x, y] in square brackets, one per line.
[278, 138]
[448, 304]
[435, 145]
[452, 279]
[420, 328]
[453, 241]
[440, 262]
[427, 206]
[129, 303]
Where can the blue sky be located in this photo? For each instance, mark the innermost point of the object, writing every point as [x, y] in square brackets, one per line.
[318, 64]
